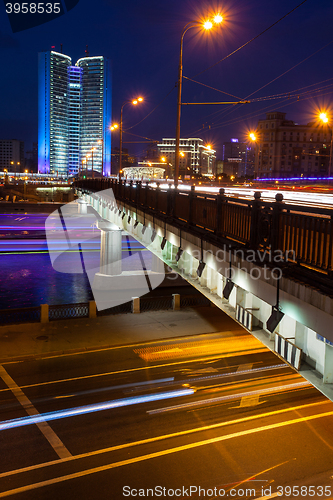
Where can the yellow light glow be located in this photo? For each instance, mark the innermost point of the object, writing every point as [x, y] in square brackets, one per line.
[323, 117]
[163, 159]
[252, 136]
[208, 25]
[218, 19]
[140, 99]
[135, 101]
[182, 153]
[209, 146]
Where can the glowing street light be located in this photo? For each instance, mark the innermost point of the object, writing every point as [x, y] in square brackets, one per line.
[253, 138]
[207, 25]
[134, 102]
[323, 116]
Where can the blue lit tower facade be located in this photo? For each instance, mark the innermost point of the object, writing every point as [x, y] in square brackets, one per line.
[96, 112]
[74, 113]
[74, 118]
[53, 104]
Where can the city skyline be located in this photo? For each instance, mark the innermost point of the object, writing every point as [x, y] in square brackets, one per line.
[144, 51]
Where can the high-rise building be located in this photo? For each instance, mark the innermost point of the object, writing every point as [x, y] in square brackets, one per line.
[74, 114]
[194, 156]
[241, 155]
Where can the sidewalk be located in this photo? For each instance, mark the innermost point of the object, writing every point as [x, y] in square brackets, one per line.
[22, 341]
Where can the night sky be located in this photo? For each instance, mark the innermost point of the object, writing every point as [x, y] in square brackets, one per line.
[142, 41]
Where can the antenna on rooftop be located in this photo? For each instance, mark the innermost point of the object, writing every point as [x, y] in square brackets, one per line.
[87, 51]
[61, 48]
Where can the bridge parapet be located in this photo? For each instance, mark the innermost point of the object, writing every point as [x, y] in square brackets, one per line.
[300, 236]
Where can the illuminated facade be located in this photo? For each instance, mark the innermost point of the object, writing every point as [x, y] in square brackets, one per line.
[286, 149]
[194, 156]
[74, 114]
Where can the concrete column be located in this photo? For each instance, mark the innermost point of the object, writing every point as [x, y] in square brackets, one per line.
[175, 301]
[328, 365]
[82, 206]
[92, 309]
[110, 255]
[135, 305]
[44, 313]
[301, 336]
[220, 285]
[240, 296]
[203, 279]
[171, 252]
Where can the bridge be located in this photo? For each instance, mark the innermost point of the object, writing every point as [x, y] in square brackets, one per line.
[269, 265]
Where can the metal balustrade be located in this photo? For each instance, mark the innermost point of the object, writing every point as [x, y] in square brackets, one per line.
[303, 235]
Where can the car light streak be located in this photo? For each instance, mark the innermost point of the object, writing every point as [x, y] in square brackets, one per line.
[163, 453]
[81, 410]
[230, 397]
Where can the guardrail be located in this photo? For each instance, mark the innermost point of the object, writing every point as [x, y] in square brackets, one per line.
[45, 313]
[302, 235]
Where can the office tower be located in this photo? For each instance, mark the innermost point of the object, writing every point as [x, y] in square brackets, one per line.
[11, 155]
[74, 114]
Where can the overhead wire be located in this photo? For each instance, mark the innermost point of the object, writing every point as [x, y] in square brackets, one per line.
[252, 39]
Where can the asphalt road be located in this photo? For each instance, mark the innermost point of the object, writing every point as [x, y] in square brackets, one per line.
[216, 411]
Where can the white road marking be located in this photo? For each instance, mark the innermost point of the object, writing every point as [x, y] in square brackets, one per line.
[44, 427]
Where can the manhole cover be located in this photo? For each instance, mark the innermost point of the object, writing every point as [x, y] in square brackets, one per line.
[42, 337]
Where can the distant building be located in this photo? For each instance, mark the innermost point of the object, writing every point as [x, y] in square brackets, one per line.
[286, 149]
[194, 156]
[74, 113]
[11, 155]
[126, 159]
[31, 159]
[242, 154]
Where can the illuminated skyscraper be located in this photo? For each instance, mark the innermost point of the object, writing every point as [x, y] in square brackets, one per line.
[74, 113]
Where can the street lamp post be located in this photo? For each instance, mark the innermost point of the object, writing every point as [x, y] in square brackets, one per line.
[134, 102]
[253, 138]
[324, 118]
[207, 25]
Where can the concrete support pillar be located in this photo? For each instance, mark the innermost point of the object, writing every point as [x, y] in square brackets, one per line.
[328, 365]
[220, 285]
[44, 313]
[110, 255]
[240, 296]
[212, 280]
[175, 301]
[92, 309]
[204, 277]
[135, 305]
[82, 206]
[301, 336]
[171, 252]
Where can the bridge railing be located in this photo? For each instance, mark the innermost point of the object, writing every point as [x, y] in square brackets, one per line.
[302, 234]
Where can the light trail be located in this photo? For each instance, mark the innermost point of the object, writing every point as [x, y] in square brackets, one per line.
[162, 453]
[203, 402]
[164, 437]
[81, 410]
[303, 198]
